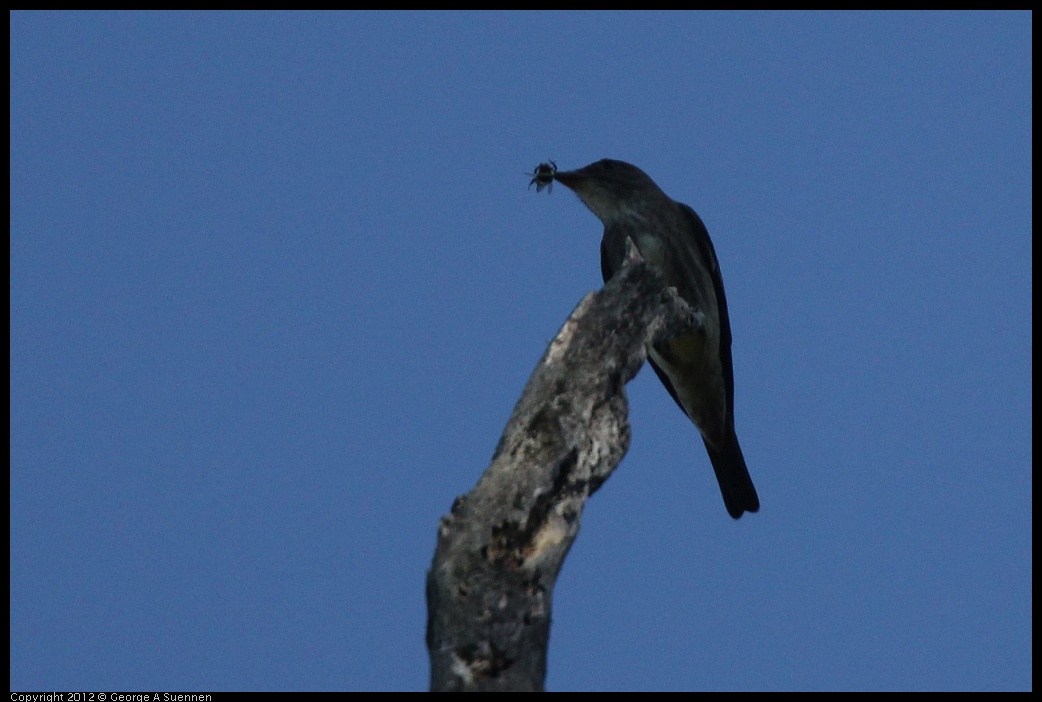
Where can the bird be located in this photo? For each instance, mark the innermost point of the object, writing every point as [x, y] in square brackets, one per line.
[696, 367]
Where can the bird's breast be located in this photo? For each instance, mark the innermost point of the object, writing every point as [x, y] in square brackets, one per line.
[653, 250]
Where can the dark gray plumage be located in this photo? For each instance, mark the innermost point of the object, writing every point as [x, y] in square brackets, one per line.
[696, 368]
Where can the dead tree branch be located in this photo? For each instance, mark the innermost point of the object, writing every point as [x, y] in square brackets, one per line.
[501, 547]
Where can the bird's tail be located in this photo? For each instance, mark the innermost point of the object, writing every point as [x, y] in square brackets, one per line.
[735, 484]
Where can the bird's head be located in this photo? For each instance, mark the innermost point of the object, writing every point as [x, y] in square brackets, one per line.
[613, 190]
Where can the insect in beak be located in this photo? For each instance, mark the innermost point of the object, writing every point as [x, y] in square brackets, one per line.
[543, 177]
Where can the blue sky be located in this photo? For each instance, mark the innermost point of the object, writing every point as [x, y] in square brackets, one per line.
[277, 281]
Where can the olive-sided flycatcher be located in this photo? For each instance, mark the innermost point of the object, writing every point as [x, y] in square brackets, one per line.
[695, 367]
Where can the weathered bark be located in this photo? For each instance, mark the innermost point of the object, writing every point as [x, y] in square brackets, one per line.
[500, 549]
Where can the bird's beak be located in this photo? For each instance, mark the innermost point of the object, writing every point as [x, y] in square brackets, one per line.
[570, 179]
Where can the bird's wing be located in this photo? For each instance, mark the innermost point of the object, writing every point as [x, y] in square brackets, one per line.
[705, 247]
